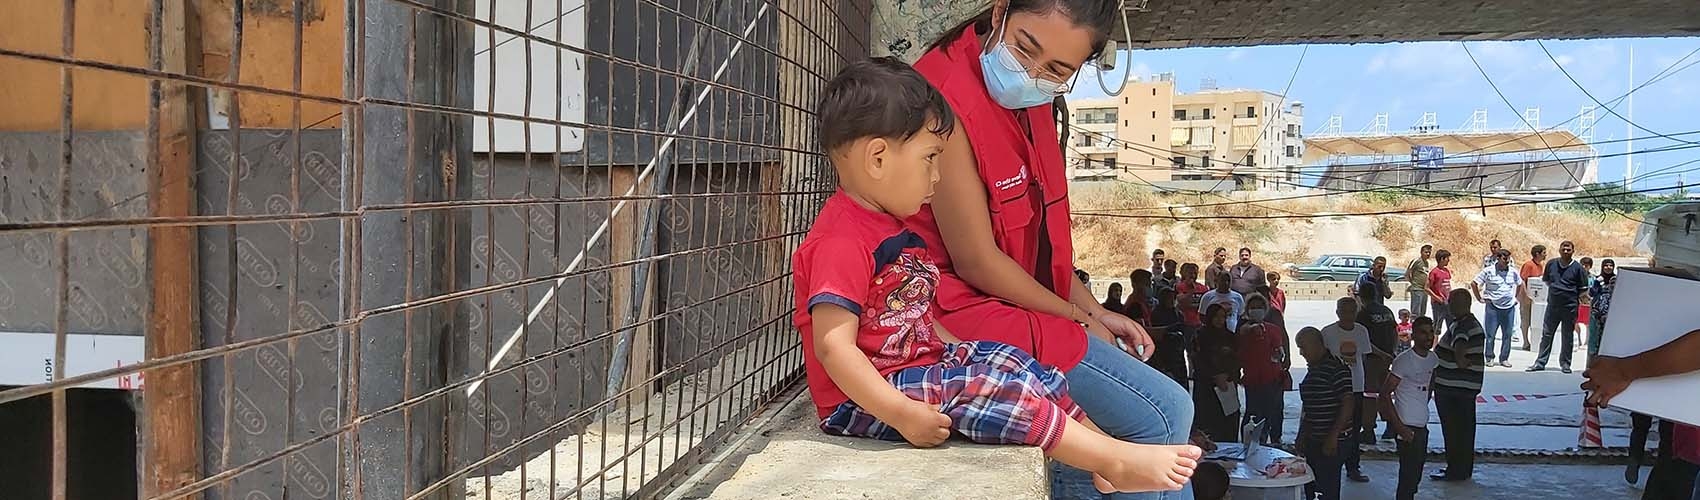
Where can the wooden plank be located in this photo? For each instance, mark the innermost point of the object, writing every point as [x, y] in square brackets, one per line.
[171, 401]
[622, 240]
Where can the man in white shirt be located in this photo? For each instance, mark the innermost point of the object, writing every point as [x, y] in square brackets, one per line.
[1334, 336]
[1497, 287]
[1222, 293]
[1407, 411]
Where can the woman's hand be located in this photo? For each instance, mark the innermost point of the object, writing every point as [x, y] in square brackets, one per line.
[1138, 342]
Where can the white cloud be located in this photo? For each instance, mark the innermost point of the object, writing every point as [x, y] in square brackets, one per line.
[1565, 60]
[1236, 54]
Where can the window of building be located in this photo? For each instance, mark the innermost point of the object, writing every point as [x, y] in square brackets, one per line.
[1124, 100]
[1204, 162]
[1124, 123]
[1153, 138]
[1153, 90]
[1096, 116]
[1109, 163]
[1153, 161]
[1290, 151]
[1251, 112]
[1207, 113]
[1178, 161]
[1153, 114]
[1180, 114]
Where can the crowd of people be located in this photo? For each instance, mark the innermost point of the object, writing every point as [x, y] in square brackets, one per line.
[1227, 336]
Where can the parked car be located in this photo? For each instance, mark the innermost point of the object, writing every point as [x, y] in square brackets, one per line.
[1341, 267]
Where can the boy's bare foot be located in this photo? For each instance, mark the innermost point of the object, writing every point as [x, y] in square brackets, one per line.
[1144, 467]
[1106, 488]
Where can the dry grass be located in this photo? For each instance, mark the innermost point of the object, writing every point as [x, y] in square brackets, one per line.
[1111, 246]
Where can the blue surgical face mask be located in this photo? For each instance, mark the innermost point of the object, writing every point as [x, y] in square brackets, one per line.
[1013, 88]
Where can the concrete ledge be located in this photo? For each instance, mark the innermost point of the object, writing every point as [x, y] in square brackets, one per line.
[782, 454]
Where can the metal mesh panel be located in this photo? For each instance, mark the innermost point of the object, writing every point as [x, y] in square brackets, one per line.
[405, 248]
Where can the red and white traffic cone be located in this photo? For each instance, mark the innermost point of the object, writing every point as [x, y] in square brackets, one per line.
[1590, 437]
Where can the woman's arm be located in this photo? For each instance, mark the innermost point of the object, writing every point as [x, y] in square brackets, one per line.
[965, 223]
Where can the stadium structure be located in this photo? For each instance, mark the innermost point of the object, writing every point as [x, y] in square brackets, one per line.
[1527, 162]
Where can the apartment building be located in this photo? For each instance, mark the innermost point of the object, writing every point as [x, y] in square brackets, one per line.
[1151, 134]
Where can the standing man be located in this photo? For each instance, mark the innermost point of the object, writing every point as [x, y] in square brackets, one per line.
[1417, 275]
[1327, 405]
[1565, 280]
[1218, 265]
[1439, 287]
[1224, 294]
[1157, 263]
[1245, 276]
[1526, 300]
[1167, 278]
[1383, 328]
[1350, 341]
[1498, 287]
[1372, 284]
[1457, 382]
[1492, 255]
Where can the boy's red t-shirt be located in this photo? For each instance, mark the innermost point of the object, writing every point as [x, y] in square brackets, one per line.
[865, 262]
[1440, 281]
[1261, 349]
[1186, 297]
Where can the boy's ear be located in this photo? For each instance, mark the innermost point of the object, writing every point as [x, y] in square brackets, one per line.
[876, 151]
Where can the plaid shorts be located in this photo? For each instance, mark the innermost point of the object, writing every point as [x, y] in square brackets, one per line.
[994, 393]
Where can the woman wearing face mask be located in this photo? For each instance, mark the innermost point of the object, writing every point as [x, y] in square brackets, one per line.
[1263, 361]
[999, 219]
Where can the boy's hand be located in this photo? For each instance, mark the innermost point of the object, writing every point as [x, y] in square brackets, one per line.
[922, 425]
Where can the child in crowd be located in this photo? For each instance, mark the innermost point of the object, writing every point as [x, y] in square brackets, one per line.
[1210, 482]
[1138, 304]
[1405, 325]
[1404, 404]
[1277, 296]
[1439, 288]
[1168, 332]
[1328, 404]
[878, 364]
[1189, 291]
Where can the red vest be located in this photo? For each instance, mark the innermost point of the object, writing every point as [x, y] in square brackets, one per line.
[1026, 189]
[1025, 180]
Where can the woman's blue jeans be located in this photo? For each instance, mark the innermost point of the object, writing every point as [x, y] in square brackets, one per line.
[1131, 402]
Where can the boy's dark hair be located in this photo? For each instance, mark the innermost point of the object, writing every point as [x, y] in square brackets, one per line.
[1209, 481]
[1537, 249]
[1140, 275]
[1443, 254]
[880, 97]
[1422, 320]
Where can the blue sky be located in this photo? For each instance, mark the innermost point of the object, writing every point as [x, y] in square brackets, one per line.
[1408, 79]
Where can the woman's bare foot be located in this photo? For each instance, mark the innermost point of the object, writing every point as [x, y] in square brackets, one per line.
[1144, 467]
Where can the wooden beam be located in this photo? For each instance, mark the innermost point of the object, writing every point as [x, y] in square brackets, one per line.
[171, 397]
[622, 242]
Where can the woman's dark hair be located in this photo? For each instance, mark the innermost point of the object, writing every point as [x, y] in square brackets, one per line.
[880, 97]
[1115, 290]
[1097, 16]
[1210, 312]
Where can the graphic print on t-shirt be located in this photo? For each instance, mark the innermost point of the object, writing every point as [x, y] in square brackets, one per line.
[901, 319]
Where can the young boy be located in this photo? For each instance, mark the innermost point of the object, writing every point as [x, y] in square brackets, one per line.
[1405, 326]
[1189, 291]
[1439, 287]
[1404, 404]
[878, 364]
